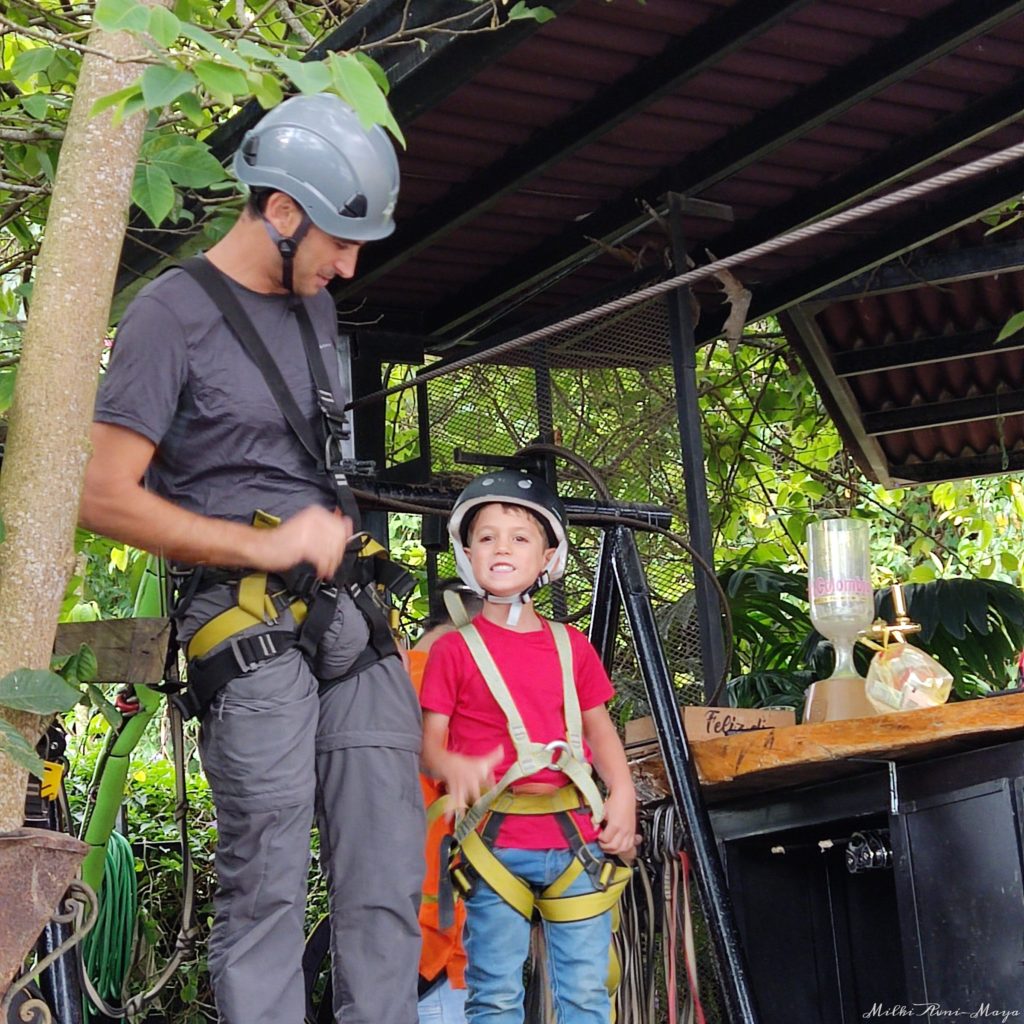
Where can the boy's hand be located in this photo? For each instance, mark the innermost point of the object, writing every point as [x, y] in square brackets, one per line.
[467, 778]
[618, 832]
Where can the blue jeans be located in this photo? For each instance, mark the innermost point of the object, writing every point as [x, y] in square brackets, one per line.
[497, 941]
[443, 1005]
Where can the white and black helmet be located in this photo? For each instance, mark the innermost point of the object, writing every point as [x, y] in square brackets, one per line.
[510, 487]
[316, 150]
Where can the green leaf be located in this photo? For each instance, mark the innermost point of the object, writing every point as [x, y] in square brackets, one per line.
[21, 231]
[163, 26]
[223, 82]
[1011, 327]
[3, 531]
[379, 74]
[162, 85]
[189, 105]
[114, 99]
[253, 51]
[36, 105]
[266, 89]
[212, 44]
[38, 691]
[80, 667]
[115, 15]
[109, 712]
[308, 76]
[153, 192]
[185, 161]
[7, 378]
[19, 750]
[355, 84]
[538, 14]
[32, 62]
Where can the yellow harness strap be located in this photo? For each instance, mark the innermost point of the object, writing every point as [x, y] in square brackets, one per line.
[231, 622]
[551, 904]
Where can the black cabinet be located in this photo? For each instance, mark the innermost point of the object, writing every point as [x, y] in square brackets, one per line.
[940, 921]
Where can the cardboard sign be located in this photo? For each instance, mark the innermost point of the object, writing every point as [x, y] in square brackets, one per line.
[702, 723]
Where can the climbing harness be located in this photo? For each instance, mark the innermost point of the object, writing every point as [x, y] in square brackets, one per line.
[291, 609]
[470, 848]
[270, 618]
[476, 830]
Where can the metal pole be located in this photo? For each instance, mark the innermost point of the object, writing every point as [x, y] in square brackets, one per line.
[606, 605]
[682, 776]
[684, 365]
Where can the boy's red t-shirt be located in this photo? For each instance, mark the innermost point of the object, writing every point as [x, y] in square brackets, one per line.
[528, 662]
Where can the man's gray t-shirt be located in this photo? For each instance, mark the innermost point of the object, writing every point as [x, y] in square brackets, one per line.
[179, 376]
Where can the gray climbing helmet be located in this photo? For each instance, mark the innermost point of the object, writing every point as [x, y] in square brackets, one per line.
[315, 150]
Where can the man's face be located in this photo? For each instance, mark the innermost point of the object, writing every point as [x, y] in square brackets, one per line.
[321, 257]
[507, 549]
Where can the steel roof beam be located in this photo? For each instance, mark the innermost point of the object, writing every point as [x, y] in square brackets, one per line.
[919, 269]
[960, 466]
[839, 400]
[943, 414]
[681, 60]
[889, 62]
[951, 209]
[891, 165]
[922, 351]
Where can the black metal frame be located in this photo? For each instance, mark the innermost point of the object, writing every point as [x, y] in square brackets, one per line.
[628, 589]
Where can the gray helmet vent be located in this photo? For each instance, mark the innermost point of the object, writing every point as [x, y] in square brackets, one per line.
[355, 207]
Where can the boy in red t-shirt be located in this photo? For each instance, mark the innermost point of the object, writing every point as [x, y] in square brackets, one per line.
[509, 669]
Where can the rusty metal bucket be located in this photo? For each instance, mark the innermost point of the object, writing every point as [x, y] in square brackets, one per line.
[36, 867]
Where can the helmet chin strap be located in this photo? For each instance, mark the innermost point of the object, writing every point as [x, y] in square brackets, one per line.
[518, 601]
[287, 247]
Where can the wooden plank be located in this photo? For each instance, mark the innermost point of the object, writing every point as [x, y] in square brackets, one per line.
[127, 650]
[755, 762]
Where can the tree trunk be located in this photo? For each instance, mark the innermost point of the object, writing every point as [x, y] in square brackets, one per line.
[53, 402]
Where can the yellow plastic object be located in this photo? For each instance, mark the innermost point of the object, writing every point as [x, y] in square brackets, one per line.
[902, 677]
[49, 788]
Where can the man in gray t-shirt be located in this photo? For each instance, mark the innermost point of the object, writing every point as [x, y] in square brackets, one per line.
[188, 443]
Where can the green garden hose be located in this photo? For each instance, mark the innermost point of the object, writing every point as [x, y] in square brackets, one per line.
[107, 949]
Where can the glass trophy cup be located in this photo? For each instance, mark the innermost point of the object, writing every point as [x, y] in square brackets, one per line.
[842, 607]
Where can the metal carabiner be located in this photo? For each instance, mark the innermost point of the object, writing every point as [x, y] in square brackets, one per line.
[557, 745]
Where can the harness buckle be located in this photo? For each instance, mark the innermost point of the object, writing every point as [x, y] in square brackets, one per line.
[266, 647]
[595, 867]
[556, 764]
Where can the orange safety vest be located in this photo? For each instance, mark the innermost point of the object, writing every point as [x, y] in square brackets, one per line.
[442, 950]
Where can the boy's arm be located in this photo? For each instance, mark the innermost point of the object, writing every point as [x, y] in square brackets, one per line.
[618, 835]
[465, 778]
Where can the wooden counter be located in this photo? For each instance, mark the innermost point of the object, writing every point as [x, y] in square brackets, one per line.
[767, 759]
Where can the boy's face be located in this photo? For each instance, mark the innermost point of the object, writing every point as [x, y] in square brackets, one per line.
[507, 549]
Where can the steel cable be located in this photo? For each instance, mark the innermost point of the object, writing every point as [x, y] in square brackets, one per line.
[903, 195]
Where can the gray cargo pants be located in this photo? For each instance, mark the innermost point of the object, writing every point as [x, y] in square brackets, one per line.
[275, 750]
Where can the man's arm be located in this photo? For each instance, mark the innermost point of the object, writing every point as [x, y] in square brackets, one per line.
[115, 504]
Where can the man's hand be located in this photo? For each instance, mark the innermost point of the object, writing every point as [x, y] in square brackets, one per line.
[314, 536]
